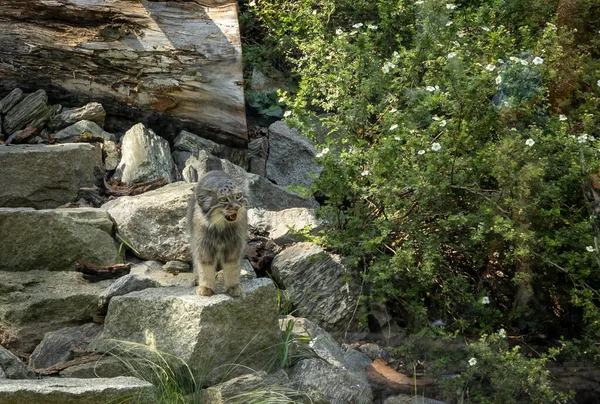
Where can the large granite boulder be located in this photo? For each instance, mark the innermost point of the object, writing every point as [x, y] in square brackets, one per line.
[263, 194]
[145, 156]
[53, 173]
[336, 384]
[33, 303]
[291, 158]
[218, 331]
[155, 222]
[188, 144]
[76, 391]
[317, 283]
[283, 226]
[55, 239]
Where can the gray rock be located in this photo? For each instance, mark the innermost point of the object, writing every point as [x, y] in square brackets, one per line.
[337, 384]
[291, 157]
[258, 150]
[176, 267]
[12, 367]
[54, 239]
[215, 331]
[59, 346]
[281, 224]
[195, 166]
[54, 173]
[310, 341]
[315, 281]
[409, 399]
[12, 99]
[260, 386]
[71, 133]
[106, 366]
[31, 108]
[155, 222]
[111, 155]
[371, 350]
[265, 195]
[356, 362]
[91, 112]
[145, 156]
[36, 302]
[153, 270]
[126, 284]
[261, 82]
[76, 391]
[191, 144]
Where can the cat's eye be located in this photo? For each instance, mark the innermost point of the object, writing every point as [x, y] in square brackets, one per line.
[238, 195]
[222, 199]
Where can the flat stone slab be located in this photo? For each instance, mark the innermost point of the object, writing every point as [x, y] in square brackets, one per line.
[213, 332]
[46, 176]
[54, 239]
[76, 391]
[35, 302]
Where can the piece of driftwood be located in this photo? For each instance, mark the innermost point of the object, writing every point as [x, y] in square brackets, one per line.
[96, 273]
[172, 65]
[115, 188]
[52, 370]
[386, 379]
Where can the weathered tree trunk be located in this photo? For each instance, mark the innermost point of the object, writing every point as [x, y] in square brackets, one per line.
[172, 65]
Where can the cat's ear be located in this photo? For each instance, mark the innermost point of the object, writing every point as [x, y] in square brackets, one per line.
[204, 197]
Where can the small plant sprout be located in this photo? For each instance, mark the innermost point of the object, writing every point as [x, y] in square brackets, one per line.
[394, 126]
[537, 60]
[530, 142]
[436, 146]
[485, 300]
[590, 248]
[502, 333]
[472, 362]
[562, 118]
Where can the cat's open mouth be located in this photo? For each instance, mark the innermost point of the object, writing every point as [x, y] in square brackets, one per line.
[231, 218]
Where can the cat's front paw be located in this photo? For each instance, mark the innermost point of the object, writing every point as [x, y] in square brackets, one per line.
[235, 290]
[204, 291]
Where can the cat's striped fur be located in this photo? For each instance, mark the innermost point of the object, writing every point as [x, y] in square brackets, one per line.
[218, 227]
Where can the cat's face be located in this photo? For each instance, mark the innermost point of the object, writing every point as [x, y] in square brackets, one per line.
[228, 201]
[220, 197]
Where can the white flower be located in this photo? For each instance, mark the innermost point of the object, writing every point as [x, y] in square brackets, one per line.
[436, 146]
[562, 118]
[590, 248]
[281, 100]
[419, 2]
[486, 29]
[287, 113]
[365, 173]
[372, 27]
[490, 67]
[530, 142]
[472, 362]
[252, 3]
[502, 333]
[450, 6]
[463, 33]
[582, 138]
[430, 88]
[394, 126]
[397, 138]
[436, 118]
[513, 129]
[485, 300]
[498, 79]
[598, 83]
[339, 32]
[323, 152]
[357, 25]
[500, 61]
[387, 66]
[537, 60]
[524, 62]
[513, 59]
[451, 55]
[443, 123]
[421, 152]
[393, 110]
[449, 23]
[396, 55]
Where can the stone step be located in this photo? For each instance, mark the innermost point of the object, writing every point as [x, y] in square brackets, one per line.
[54, 239]
[46, 176]
[74, 391]
[219, 332]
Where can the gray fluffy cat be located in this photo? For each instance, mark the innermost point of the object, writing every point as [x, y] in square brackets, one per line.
[218, 228]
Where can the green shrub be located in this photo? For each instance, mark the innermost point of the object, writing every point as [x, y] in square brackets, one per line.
[450, 171]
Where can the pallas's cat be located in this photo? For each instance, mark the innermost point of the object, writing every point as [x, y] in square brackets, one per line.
[218, 228]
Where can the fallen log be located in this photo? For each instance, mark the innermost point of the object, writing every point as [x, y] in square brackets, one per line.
[116, 188]
[94, 357]
[96, 273]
